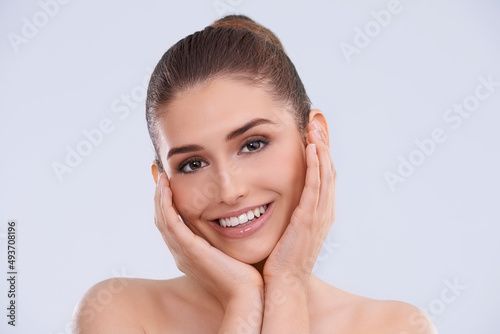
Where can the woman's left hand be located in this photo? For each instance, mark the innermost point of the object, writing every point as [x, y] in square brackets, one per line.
[291, 262]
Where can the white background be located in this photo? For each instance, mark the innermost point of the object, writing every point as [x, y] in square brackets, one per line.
[96, 221]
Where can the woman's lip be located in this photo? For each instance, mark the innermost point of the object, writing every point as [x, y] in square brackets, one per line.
[244, 231]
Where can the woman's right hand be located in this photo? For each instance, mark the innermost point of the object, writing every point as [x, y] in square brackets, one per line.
[229, 280]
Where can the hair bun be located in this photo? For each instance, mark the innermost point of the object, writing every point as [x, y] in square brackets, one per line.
[244, 22]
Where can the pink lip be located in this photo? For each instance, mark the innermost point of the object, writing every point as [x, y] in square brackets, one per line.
[245, 231]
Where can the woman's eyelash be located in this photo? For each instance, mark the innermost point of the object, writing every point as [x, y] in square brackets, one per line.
[259, 140]
[185, 163]
[181, 167]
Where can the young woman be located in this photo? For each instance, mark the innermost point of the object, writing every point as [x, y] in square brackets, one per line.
[244, 200]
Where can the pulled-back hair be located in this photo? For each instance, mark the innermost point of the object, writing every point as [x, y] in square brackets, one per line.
[232, 47]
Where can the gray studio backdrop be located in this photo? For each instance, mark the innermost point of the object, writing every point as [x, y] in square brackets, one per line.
[411, 91]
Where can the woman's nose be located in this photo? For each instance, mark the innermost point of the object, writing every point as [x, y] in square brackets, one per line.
[232, 185]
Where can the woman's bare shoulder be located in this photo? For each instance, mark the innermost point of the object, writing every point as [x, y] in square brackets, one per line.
[127, 305]
[374, 316]
[391, 316]
[354, 313]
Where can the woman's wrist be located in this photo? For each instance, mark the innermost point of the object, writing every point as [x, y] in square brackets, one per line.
[296, 283]
[243, 313]
[249, 297]
[286, 306]
[248, 293]
[289, 289]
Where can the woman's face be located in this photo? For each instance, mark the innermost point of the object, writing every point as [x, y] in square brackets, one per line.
[227, 147]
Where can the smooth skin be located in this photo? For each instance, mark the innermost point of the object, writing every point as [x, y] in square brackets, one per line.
[259, 284]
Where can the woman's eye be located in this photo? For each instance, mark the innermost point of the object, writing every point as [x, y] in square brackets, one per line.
[253, 145]
[191, 166]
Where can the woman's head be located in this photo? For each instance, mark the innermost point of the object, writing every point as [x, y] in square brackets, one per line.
[227, 114]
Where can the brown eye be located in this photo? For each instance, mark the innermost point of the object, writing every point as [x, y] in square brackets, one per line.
[194, 164]
[191, 166]
[255, 145]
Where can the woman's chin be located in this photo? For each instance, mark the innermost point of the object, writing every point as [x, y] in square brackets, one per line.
[254, 257]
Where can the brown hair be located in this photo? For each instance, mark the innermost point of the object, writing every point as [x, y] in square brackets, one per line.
[234, 46]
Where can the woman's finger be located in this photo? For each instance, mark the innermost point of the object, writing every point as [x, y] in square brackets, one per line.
[334, 176]
[327, 176]
[160, 221]
[309, 198]
[323, 132]
[189, 242]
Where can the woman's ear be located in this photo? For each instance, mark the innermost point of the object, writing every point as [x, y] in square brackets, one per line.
[317, 116]
[155, 171]
[156, 174]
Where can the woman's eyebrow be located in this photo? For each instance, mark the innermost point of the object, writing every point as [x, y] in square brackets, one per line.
[183, 149]
[238, 132]
[254, 122]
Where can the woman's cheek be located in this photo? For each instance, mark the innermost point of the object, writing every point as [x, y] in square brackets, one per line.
[281, 169]
[188, 196]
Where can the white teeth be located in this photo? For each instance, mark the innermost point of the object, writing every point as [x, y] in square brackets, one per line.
[233, 221]
[243, 218]
[256, 212]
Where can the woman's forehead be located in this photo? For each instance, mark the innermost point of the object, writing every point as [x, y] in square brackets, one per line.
[221, 104]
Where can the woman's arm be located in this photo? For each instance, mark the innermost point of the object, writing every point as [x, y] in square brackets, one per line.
[243, 314]
[286, 309]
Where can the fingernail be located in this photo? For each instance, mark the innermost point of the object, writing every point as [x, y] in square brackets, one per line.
[316, 125]
[316, 133]
[159, 179]
[313, 147]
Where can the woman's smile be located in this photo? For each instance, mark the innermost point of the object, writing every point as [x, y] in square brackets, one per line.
[240, 217]
[244, 228]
